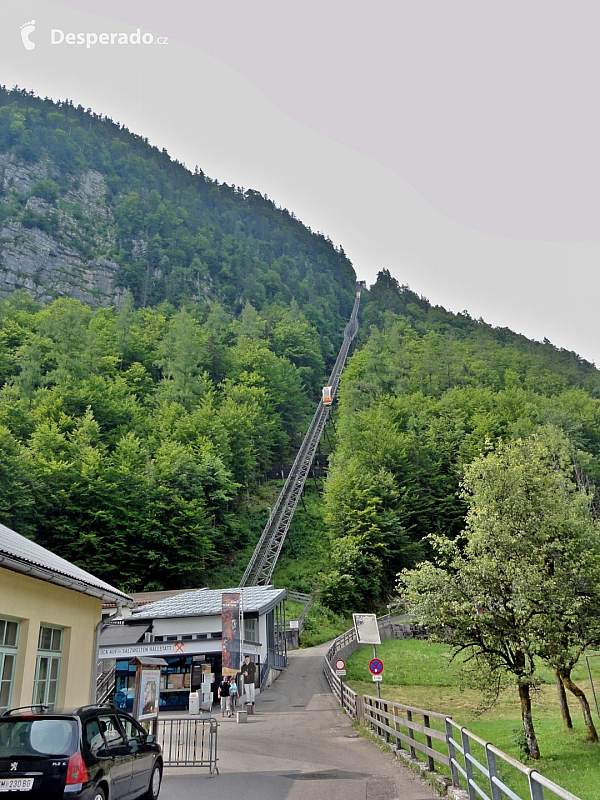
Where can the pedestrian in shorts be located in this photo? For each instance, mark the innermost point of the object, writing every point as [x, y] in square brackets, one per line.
[224, 694]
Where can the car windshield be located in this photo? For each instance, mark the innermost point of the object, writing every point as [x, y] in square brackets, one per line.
[35, 737]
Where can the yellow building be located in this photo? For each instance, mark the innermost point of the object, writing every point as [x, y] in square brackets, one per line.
[50, 615]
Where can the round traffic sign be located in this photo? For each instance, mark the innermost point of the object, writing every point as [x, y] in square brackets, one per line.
[340, 664]
[376, 666]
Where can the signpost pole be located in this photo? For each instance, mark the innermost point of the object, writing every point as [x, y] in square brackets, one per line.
[378, 684]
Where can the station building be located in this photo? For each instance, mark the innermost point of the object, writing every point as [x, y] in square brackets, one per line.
[50, 617]
[186, 629]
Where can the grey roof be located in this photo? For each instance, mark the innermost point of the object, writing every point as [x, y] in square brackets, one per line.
[143, 598]
[208, 602]
[22, 555]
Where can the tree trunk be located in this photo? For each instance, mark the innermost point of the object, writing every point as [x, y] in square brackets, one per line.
[562, 701]
[531, 738]
[565, 675]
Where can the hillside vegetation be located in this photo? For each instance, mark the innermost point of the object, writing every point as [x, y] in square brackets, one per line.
[132, 441]
[81, 191]
[137, 427]
[425, 393]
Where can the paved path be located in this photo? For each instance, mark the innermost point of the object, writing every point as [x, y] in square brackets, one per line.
[298, 746]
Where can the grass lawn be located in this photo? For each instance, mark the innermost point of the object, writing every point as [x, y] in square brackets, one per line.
[293, 609]
[419, 674]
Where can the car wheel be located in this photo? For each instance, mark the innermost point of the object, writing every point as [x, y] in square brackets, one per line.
[99, 794]
[154, 787]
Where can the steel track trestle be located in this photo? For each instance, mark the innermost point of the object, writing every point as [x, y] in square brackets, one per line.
[260, 567]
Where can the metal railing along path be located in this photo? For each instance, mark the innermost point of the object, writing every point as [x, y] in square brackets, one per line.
[274, 660]
[485, 771]
[105, 686]
[300, 621]
[482, 776]
[262, 563]
[189, 742]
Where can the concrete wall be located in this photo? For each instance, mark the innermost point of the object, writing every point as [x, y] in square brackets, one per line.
[33, 602]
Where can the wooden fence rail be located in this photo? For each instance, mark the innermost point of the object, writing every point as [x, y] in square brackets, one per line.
[395, 724]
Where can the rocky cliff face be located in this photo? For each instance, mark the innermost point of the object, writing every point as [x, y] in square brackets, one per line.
[41, 236]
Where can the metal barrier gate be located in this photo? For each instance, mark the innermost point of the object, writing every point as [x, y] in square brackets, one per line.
[189, 742]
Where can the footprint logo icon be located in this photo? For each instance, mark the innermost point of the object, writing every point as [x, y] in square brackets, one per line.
[26, 30]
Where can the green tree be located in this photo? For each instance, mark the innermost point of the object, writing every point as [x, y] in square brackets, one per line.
[498, 591]
[180, 362]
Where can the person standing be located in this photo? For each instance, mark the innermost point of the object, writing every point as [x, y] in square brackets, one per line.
[224, 694]
[249, 675]
[233, 691]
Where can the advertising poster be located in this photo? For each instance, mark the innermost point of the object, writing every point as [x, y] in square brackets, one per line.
[232, 636]
[149, 694]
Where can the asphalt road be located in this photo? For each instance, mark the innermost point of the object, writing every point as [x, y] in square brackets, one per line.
[297, 746]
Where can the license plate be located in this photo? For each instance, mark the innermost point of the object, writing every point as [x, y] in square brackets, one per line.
[16, 784]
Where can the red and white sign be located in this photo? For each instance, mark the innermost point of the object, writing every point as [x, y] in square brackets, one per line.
[340, 664]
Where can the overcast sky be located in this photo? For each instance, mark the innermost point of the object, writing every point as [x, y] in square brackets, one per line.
[453, 142]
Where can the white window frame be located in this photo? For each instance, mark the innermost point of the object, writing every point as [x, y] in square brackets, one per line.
[251, 630]
[11, 652]
[52, 657]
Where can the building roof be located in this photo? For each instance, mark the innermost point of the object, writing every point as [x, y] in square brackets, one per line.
[143, 598]
[209, 602]
[22, 555]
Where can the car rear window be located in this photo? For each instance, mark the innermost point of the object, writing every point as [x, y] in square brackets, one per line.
[34, 737]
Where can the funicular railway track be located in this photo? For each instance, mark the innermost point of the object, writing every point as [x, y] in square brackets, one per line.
[260, 567]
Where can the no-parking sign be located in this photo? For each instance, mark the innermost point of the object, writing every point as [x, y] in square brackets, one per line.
[375, 666]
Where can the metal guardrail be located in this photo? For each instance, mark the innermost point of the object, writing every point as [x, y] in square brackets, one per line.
[471, 769]
[105, 686]
[262, 563]
[189, 742]
[299, 597]
[308, 600]
[394, 723]
[274, 660]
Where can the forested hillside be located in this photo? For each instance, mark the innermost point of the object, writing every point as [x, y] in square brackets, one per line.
[425, 393]
[131, 441]
[88, 208]
[136, 426]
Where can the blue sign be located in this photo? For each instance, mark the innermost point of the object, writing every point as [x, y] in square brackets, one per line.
[376, 666]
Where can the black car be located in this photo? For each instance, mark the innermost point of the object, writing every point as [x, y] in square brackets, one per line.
[89, 753]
